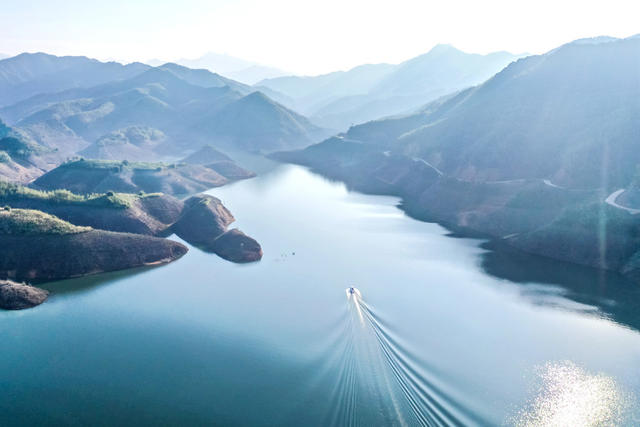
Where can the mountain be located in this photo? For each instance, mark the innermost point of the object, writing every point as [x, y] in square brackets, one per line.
[254, 74]
[216, 62]
[339, 100]
[255, 122]
[191, 107]
[311, 93]
[205, 78]
[542, 156]
[30, 74]
[569, 116]
[238, 69]
[444, 69]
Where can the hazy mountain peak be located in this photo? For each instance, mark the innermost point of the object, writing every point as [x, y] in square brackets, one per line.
[443, 47]
[595, 40]
[247, 72]
[216, 62]
[259, 97]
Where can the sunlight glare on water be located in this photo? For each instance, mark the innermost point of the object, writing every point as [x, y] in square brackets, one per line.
[571, 396]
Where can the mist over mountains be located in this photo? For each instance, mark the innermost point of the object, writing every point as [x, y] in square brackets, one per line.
[70, 106]
[190, 107]
[244, 71]
[341, 99]
[557, 116]
[28, 74]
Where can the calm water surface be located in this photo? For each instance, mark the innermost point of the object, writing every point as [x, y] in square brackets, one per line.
[446, 332]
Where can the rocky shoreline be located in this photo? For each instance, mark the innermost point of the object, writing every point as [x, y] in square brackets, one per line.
[105, 236]
[529, 215]
[18, 296]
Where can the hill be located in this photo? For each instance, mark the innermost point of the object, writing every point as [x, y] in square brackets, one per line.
[150, 214]
[216, 160]
[204, 223]
[36, 246]
[201, 220]
[101, 176]
[134, 143]
[21, 158]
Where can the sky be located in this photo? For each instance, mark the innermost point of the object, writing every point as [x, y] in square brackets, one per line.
[304, 37]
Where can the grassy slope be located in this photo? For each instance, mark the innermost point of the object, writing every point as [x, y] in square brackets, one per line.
[134, 213]
[9, 192]
[26, 222]
[89, 176]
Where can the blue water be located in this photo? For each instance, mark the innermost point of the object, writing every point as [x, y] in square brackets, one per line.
[446, 332]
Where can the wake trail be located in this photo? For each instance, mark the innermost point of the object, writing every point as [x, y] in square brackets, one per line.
[344, 395]
[414, 399]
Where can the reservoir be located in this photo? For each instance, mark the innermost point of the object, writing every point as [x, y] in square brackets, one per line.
[447, 331]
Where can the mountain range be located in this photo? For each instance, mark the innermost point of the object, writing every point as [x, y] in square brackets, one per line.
[190, 108]
[543, 155]
[28, 74]
[569, 116]
[341, 99]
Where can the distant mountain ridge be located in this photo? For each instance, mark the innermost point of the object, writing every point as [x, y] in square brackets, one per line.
[247, 72]
[191, 107]
[339, 100]
[28, 74]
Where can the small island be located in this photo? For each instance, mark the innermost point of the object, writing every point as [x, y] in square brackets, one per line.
[204, 223]
[57, 234]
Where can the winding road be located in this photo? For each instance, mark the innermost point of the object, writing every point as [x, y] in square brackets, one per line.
[611, 200]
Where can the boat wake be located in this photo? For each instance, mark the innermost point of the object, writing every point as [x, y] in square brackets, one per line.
[377, 371]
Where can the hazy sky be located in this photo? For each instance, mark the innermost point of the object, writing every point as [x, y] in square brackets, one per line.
[301, 36]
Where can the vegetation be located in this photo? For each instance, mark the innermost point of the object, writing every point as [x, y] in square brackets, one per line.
[17, 146]
[11, 192]
[32, 222]
[100, 176]
[116, 165]
[4, 157]
[137, 135]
